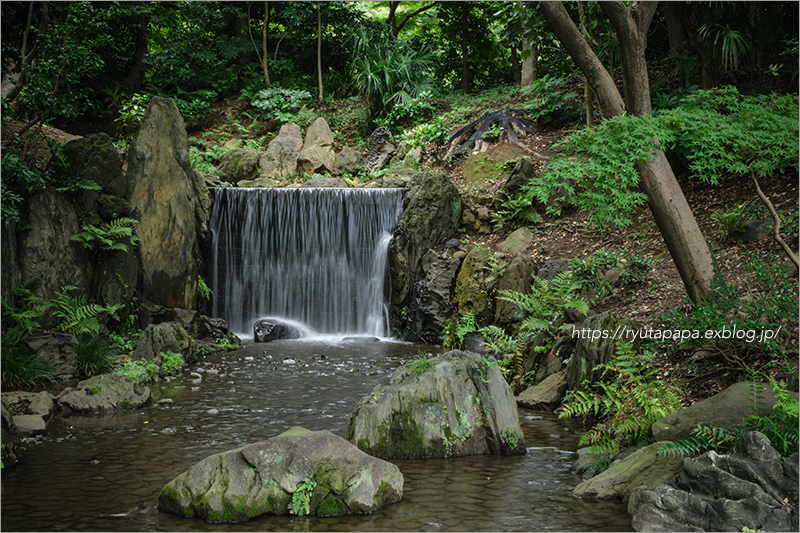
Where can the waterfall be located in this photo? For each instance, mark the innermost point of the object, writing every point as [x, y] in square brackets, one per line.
[314, 256]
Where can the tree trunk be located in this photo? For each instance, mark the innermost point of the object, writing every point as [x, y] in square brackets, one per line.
[671, 211]
[320, 98]
[529, 61]
[135, 76]
[264, 52]
[515, 64]
[27, 57]
[466, 74]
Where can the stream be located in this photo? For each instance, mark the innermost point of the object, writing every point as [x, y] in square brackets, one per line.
[104, 472]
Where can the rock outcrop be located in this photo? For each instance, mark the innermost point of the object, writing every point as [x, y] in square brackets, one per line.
[164, 337]
[724, 410]
[472, 284]
[239, 164]
[518, 277]
[595, 346]
[104, 393]
[461, 405]
[317, 155]
[46, 250]
[268, 330]
[434, 294]
[379, 149]
[429, 219]
[299, 471]
[280, 158]
[753, 488]
[171, 203]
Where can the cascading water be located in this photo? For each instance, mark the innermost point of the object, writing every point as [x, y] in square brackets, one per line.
[314, 256]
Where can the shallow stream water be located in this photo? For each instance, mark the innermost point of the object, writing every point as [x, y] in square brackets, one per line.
[104, 472]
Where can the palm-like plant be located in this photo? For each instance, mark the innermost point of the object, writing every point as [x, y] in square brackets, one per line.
[389, 72]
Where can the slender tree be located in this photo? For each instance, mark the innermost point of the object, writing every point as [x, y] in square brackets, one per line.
[320, 98]
[671, 211]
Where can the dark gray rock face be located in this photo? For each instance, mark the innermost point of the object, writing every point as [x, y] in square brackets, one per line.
[263, 478]
[104, 393]
[57, 348]
[268, 330]
[752, 487]
[429, 219]
[94, 158]
[434, 293]
[160, 175]
[280, 158]
[46, 250]
[460, 405]
[380, 150]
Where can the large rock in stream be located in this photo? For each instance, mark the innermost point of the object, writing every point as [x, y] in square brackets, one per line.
[266, 477]
[104, 393]
[461, 405]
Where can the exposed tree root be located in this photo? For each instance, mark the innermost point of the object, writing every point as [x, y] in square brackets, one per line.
[511, 122]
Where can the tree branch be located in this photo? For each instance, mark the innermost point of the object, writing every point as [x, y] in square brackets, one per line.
[417, 12]
[776, 228]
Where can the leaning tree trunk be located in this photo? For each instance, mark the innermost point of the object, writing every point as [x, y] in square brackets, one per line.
[671, 211]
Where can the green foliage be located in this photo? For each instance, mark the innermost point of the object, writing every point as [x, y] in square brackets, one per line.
[141, 371]
[76, 315]
[455, 331]
[23, 320]
[780, 427]
[132, 111]
[772, 308]
[94, 355]
[171, 363]
[416, 111]
[590, 271]
[420, 363]
[548, 97]
[202, 288]
[301, 499]
[229, 342]
[627, 400]
[720, 131]
[121, 344]
[388, 72]
[434, 132]
[278, 103]
[107, 236]
[206, 161]
[546, 300]
[18, 178]
[22, 368]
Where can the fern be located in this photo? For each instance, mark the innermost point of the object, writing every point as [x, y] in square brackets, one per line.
[627, 400]
[77, 316]
[454, 332]
[23, 320]
[107, 236]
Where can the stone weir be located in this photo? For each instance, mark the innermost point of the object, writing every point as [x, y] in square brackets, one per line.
[317, 256]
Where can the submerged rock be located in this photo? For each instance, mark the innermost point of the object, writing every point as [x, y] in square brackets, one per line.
[273, 330]
[460, 405]
[297, 472]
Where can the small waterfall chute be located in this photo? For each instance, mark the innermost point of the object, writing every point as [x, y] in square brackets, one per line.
[315, 256]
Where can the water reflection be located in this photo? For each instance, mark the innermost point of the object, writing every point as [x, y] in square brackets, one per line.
[104, 472]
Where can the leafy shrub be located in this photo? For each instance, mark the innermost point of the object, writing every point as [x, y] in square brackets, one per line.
[773, 307]
[141, 371]
[390, 72]
[77, 316]
[590, 271]
[548, 98]
[412, 112]
[202, 288]
[434, 132]
[121, 344]
[23, 368]
[456, 330]
[171, 363]
[627, 400]
[229, 342]
[18, 177]
[278, 103]
[23, 320]
[206, 161]
[301, 499]
[94, 355]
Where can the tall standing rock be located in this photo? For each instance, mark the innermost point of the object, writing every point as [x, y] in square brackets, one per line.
[430, 218]
[169, 206]
[46, 251]
[317, 155]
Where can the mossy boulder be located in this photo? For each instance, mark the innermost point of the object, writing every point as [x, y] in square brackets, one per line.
[92, 158]
[297, 472]
[104, 393]
[472, 284]
[460, 405]
[239, 164]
